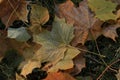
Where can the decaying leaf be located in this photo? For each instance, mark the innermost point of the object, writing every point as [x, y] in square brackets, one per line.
[103, 9]
[79, 62]
[82, 18]
[30, 66]
[39, 16]
[59, 38]
[110, 31]
[56, 47]
[61, 33]
[20, 34]
[66, 62]
[12, 10]
[118, 75]
[59, 76]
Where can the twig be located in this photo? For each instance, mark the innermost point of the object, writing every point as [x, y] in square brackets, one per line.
[14, 10]
[97, 47]
[99, 52]
[92, 53]
[107, 69]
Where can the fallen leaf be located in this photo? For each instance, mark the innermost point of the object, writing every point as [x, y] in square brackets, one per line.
[56, 49]
[3, 45]
[59, 76]
[110, 31]
[115, 1]
[29, 67]
[61, 33]
[103, 9]
[67, 61]
[79, 63]
[12, 10]
[19, 34]
[118, 75]
[39, 16]
[57, 43]
[18, 77]
[83, 19]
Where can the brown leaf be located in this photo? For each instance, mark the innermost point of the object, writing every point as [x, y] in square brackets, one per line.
[82, 18]
[110, 31]
[3, 44]
[12, 10]
[79, 62]
[59, 76]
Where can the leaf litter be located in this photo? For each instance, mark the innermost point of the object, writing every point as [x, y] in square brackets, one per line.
[58, 48]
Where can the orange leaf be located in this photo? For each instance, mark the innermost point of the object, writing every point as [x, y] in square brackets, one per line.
[59, 76]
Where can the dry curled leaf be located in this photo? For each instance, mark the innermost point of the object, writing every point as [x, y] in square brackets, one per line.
[29, 67]
[59, 76]
[39, 16]
[82, 18]
[11, 10]
[110, 31]
[79, 62]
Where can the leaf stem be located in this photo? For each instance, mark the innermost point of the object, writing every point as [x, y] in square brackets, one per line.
[92, 53]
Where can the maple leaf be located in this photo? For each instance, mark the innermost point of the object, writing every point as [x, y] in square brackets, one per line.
[39, 16]
[82, 18]
[60, 52]
[66, 61]
[56, 47]
[115, 1]
[12, 10]
[62, 76]
[103, 9]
